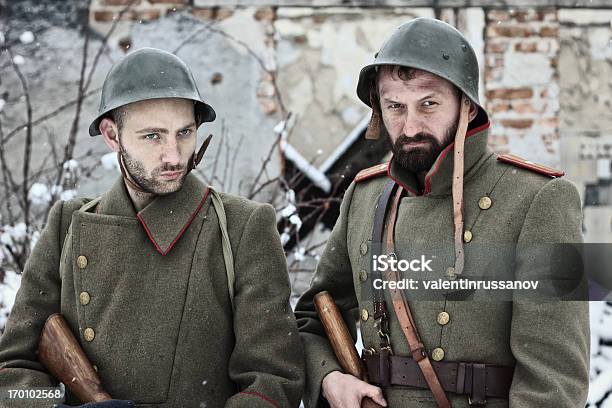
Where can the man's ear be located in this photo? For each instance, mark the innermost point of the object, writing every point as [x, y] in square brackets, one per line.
[110, 134]
[473, 111]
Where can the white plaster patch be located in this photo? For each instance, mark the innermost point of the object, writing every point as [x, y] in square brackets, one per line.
[526, 69]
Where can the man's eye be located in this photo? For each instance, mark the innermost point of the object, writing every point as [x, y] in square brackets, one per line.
[429, 104]
[395, 106]
[184, 132]
[151, 136]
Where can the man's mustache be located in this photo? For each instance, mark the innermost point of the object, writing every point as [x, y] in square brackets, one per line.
[419, 137]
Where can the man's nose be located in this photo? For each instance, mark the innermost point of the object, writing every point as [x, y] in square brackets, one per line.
[171, 153]
[412, 124]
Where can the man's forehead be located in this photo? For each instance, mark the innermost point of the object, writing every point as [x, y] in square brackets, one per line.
[418, 81]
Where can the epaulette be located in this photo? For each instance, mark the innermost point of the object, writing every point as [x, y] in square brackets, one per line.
[526, 164]
[370, 172]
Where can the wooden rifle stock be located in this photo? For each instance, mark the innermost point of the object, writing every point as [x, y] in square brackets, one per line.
[341, 340]
[62, 355]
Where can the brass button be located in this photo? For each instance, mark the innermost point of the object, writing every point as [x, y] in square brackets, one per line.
[450, 273]
[485, 203]
[364, 314]
[437, 354]
[82, 262]
[89, 334]
[363, 275]
[467, 236]
[443, 318]
[84, 298]
[363, 248]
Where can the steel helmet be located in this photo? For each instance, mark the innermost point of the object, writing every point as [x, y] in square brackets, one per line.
[429, 45]
[149, 73]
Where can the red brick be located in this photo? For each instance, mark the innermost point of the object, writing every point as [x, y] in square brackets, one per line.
[549, 31]
[498, 15]
[147, 15]
[103, 15]
[265, 14]
[517, 123]
[523, 107]
[508, 31]
[205, 13]
[548, 14]
[496, 47]
[510, 93]
[223, 13]
[268, 106]
[499, 107]
[526, 47]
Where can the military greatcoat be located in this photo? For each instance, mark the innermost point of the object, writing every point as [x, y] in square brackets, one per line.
[146, 295]
[547, 343]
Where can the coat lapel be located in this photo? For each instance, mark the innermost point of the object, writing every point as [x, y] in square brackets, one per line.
[166, 218]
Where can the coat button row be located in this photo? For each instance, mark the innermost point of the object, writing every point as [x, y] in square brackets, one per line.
[89, 334]
[84, 298]
[485, 203]
[363, 248]
[437, 354]
[82, 262]
[443, 318]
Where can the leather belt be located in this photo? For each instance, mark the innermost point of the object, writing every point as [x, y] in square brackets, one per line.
[473, 379]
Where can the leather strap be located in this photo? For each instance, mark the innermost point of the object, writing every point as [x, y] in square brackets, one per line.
[488, 380]
[404, 316]
[457, 185]
[380, 306]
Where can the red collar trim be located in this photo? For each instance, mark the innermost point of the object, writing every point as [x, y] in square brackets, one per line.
[263, 397]
[180, 233]
[448, 148]
[408, 189]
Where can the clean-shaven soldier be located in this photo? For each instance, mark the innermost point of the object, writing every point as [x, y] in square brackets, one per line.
[140, 275]
[445, 189]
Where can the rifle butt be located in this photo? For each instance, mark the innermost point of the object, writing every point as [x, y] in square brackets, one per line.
[61, 354]
[341, 340]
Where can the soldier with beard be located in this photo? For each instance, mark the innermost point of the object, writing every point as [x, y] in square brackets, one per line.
[143, 275]
[445, 194]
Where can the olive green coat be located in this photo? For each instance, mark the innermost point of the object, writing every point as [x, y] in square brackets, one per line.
[165, 334]
[547, 342]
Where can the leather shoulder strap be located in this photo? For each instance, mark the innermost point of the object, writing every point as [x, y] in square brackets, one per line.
[406, 321]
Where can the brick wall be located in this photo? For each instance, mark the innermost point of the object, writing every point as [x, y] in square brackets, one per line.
[522, 81]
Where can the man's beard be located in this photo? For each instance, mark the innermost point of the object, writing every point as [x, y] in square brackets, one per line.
[152, 183]
[418, 159]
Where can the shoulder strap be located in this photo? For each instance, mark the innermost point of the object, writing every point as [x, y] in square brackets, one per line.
[228, 256]
[406, 321]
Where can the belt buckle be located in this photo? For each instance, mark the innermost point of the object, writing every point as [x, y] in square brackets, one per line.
[471, 403]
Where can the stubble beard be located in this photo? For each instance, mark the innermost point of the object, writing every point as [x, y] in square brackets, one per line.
[418, 159]
[152, 183]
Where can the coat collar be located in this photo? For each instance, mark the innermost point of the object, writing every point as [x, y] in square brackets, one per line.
[166, 218]
[438, 180]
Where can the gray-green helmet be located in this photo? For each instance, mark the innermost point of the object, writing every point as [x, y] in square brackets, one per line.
[149, 73]
[429, 45]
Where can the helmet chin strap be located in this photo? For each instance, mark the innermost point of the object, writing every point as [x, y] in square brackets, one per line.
[194, 160]
[458, 183]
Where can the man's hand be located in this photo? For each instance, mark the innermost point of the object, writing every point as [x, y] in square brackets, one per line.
[346, 391]
[105, 404]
